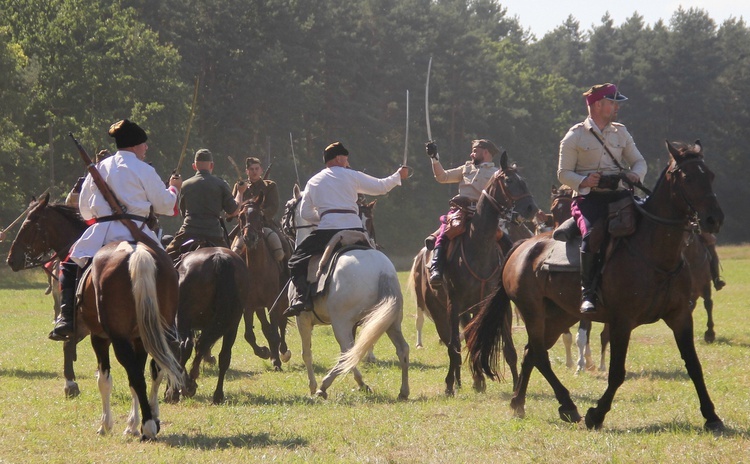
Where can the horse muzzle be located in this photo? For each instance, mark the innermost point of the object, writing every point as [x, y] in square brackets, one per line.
[712, 220]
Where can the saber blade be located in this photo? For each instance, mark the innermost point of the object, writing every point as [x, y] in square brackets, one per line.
[406, 142]
[427, 101]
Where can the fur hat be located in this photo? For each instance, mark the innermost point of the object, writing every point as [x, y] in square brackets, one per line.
[127, 134]
[333, 150]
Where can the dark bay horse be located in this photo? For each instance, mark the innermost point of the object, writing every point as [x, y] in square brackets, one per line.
[120, 307]
[46, 235]
[472, 271]
[265, 289]
[213, 294]
[644, 279]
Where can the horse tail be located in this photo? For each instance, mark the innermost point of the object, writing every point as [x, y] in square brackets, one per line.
[487, 333]
[388, 311]
[151, 325]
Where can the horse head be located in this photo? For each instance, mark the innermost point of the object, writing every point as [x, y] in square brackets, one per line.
[367, 215]
[560, 207]
[690, 185]
[508, 192]
[251, 221]
[294, 226]
[31, 244]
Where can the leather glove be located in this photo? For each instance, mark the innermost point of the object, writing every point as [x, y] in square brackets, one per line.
[432, 150]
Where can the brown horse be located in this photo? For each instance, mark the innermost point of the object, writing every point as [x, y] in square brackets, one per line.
[269, 279]
[657, 286]
[472, 271]
[213, 293]
[46, 235]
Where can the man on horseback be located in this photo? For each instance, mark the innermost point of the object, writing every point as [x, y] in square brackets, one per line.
[257, 185]
[471, 179]
[330, 201]
[138, 188]
[591, 160]
[203, 199]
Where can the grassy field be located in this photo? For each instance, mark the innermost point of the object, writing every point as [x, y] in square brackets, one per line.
[268, 415]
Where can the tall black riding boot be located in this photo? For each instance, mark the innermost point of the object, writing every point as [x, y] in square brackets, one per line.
[714, 267]
[589, 270]
[436, 266]
[301, 300]
[65, 323]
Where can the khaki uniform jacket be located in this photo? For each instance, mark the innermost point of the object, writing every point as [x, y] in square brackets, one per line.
[471, 179]
[270, 196]
[581, 154]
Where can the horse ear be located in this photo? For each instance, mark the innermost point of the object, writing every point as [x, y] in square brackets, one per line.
[698, 146]
[504, 160]
[673, 152]
[372, 204]
[554, 190]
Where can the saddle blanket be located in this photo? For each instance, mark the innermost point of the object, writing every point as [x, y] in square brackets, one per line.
[564, 257]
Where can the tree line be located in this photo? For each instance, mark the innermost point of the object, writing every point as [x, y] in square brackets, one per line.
[277, 77]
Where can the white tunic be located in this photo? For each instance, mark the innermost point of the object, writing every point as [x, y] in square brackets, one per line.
[336, 188]
[137, 186]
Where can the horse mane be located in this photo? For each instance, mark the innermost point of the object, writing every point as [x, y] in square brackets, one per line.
[70, 213]
[688, 150]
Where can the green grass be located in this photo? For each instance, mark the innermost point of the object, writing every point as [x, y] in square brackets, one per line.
[269, 416]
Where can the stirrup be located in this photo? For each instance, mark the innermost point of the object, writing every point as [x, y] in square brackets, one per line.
[587, 306]
[63, 331]
[436, 279]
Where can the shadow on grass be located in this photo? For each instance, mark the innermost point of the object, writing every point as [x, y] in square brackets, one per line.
[30, 375]
[245, 440]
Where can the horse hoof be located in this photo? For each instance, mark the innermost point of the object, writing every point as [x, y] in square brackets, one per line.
[218, 398]
[590, 422]
[286, 356]
[709, 337]
[321, 394]
[419, 345]
[71, 390]
[714, 426]
[449, 393]
[210, 360]
[480, 386]
[570, 415]
[277, 368]
[403, 396]
[365, 389]
[519, 411]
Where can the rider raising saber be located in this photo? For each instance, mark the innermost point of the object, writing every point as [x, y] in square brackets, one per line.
[330, 201]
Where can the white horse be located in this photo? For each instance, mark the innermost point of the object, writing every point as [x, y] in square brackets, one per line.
[363, 292]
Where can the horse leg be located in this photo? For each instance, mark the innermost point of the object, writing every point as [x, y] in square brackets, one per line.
[402, 352]
[509, 349]
[419, 322]
[604, 337]
[709, 336]
[104, 382]
[69, 357]
[542, 335]
[305, 327]
[279, 323]
[157, 375]
[567, 339]
[682, 328]
[620, 341]
[454, 353]
[134, 361]
[583, 338]
[345, 338]
[518, 402]
[260, 351]
[272, 336]
[225, 357]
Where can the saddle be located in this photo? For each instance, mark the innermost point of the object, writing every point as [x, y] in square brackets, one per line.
[320, 267]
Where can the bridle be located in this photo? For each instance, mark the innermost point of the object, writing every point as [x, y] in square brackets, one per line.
[691, 217]
[505, 210]
[289, 221]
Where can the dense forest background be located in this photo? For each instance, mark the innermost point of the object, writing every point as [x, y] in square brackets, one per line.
[277, 74]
